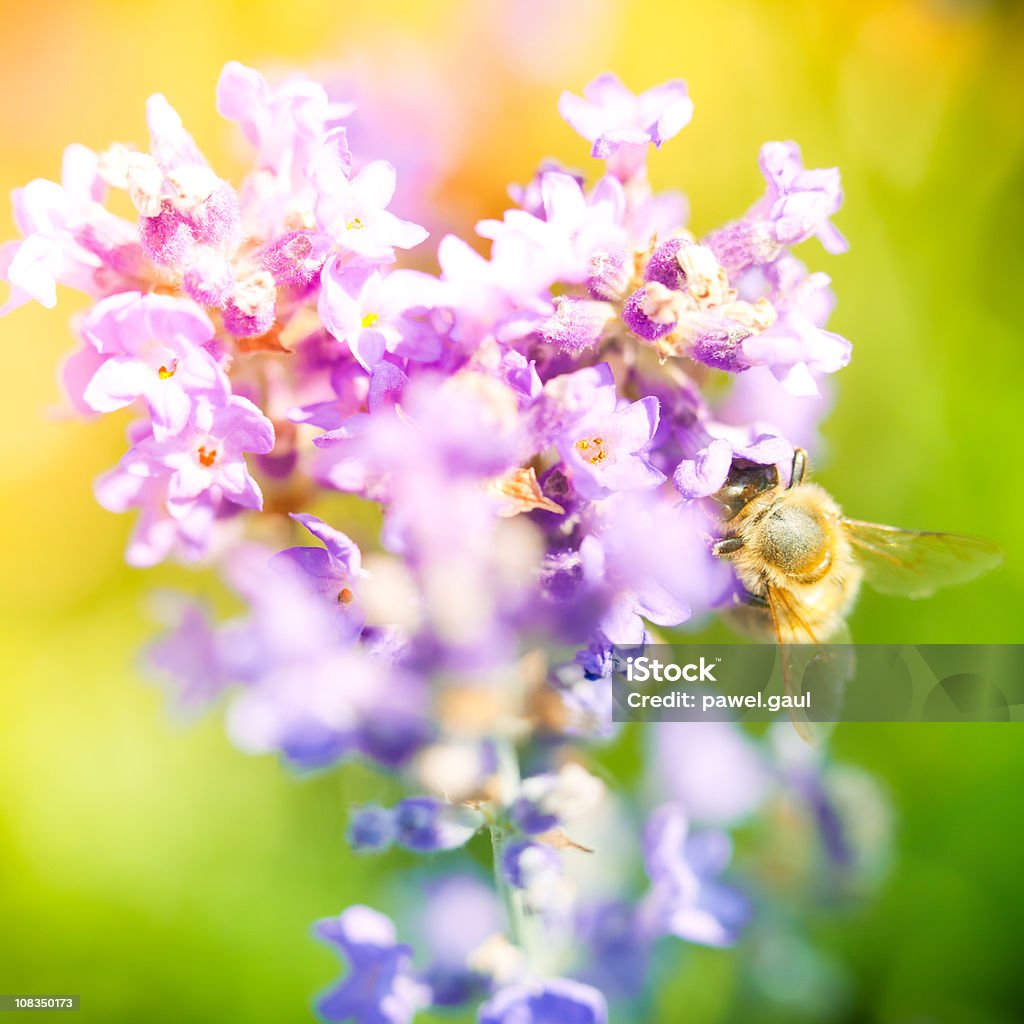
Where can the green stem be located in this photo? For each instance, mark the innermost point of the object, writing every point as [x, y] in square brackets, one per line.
[509, 897]
[508, 773]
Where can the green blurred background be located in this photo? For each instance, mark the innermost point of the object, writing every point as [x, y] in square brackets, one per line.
[147, 866]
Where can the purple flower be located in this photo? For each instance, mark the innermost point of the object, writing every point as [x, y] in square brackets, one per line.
[686, 899]
[189, 655]
[285, 123]
[536, 870]
[573, 225]
[153, 349]
[371, 828]
[577, 324]
[207, 454]
[664, 266]
[707, 471]
[374, 313]
[552, 1001]
[466, 899]
[157, 534]
[798, 201]
[646, 315]
[649, 560]
[296, 258]
[796, 346]
[497, 296]
[606, 451]
[426, 825]
[608, 274]
[353, 213]
[183, 204]
[621, 124]
[380, 987]
[333, 570]
[68, 236]
[550, 799]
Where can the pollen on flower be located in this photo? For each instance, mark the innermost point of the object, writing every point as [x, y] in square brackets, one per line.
[345, 596]
[594, 448]
[354, 224]
[370, 319]
[207, 456]
[168, 371]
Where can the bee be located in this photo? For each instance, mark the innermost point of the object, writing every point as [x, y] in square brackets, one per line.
[801, 562]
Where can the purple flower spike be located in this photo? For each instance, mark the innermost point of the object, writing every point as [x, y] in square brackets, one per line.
[380, 987]
[799, 202]
[552, 1001]
[645, 321]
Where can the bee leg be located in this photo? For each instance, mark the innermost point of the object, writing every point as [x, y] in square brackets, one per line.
[726, 546]
[754, 600]
[799, 469]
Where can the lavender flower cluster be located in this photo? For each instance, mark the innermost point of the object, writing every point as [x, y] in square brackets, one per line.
[532, 425]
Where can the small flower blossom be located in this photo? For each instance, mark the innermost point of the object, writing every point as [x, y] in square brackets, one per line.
[621, 124]
[553, 1001]
[568, 227]
[687, 900]
[353, 213]
[374, 314]
[380, 987]
[608, 453]
[67, 234]
[335, 570]
[425, 825]
[152, 348]
[207, 453]
[799, 202]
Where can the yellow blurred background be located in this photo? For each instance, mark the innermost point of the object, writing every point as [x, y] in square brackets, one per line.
[166, 877]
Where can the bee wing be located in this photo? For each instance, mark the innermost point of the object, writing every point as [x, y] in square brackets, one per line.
[914, 564]
[809, 667]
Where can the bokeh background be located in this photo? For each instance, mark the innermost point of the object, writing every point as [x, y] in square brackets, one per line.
[146, 865]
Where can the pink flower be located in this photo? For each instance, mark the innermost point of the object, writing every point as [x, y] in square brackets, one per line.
[353, 212]
[151, 347]
[58, 222]
[372, 312]
[207, 456]
[572, 227]
[621, 124]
